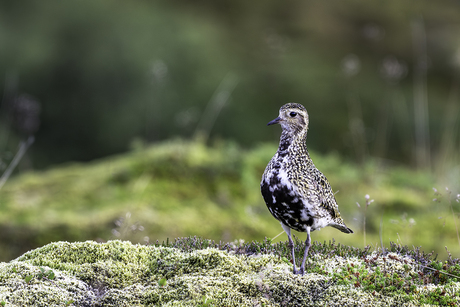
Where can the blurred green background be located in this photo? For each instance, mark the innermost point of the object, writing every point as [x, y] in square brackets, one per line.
[199, 80]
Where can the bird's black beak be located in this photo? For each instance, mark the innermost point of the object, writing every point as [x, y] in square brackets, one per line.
[275, 121]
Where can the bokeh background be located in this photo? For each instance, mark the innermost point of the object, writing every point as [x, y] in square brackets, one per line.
[146, 120]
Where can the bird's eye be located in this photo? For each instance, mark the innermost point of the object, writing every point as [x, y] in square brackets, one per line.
[292, 114]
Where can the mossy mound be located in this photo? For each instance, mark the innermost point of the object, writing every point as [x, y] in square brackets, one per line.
[179, 187]
[119, 273]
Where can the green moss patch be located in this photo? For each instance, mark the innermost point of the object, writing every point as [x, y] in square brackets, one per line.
[196, 272]
[178, 188]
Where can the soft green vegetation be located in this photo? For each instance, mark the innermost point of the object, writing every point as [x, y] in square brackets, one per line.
[149, 68]
[182, 188]
[196, 272]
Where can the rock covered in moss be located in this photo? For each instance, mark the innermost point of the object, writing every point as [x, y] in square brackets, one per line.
[119, 273]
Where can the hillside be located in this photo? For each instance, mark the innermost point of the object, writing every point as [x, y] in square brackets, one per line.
[182, 188]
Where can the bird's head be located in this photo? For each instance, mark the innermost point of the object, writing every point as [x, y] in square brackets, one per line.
[293, 118]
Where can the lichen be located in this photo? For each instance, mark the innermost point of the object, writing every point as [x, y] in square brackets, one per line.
[119, 273]
[15, 290]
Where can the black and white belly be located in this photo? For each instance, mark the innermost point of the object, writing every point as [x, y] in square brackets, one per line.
[285, 203]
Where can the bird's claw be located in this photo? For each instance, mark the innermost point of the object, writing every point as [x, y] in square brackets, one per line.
[301, 271]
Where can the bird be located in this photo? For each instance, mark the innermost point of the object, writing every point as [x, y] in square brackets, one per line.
[296, 193]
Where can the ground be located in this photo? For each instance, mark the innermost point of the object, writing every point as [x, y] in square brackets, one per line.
[118, 273]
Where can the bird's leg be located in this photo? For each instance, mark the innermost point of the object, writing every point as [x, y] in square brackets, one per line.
[305, 254]
[291, 246]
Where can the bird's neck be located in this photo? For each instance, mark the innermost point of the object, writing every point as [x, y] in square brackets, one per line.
[289, 139]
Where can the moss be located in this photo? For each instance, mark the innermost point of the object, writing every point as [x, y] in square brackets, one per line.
[15, 290]
[119, 273]
[170, 188]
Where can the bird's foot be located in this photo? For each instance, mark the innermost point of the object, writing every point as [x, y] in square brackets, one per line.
[301, 271]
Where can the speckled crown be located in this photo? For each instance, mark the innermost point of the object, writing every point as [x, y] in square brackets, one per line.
[293, 105]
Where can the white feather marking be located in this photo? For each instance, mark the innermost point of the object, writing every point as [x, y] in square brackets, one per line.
[284, 180]
[267, 179]
[320, 223]
[304, 215]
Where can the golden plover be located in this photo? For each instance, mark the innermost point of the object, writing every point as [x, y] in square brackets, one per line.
[295, 191]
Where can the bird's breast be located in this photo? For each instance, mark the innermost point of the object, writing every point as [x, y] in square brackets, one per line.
[284, 201]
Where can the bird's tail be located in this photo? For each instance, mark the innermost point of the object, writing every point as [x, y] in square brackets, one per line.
[342, 228]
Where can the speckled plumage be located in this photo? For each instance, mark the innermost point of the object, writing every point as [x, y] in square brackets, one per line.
[295, 191]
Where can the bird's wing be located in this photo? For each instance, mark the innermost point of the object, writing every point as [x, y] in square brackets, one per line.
[319, 191]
